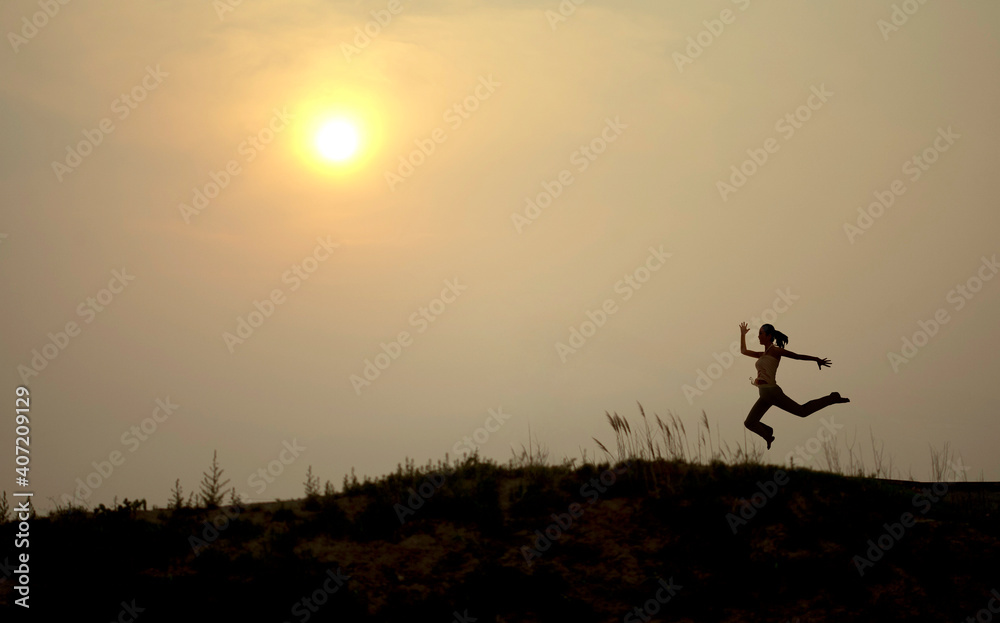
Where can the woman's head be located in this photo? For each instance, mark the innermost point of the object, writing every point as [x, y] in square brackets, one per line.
[769, 334]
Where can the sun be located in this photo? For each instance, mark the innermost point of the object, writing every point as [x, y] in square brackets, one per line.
[337, 140]
[340, 131]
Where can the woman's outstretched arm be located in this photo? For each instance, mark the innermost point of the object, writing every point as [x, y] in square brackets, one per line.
[791, 355]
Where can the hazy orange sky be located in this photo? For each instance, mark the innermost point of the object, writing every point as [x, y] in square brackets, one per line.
[663, 170]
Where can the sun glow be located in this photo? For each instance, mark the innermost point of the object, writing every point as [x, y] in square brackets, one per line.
[337, 140]
[339, 132]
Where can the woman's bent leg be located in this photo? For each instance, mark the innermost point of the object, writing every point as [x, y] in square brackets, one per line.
[784, 402]
[753, 419]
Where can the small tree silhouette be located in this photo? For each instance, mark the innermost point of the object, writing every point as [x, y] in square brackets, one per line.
[312, 484]
[212, 485]
[177, 496]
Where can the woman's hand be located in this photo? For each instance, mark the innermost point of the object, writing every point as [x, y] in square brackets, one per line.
[822, 362]
[744, 329]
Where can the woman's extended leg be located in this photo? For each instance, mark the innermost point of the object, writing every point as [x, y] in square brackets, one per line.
[784, 402]
[753, 420]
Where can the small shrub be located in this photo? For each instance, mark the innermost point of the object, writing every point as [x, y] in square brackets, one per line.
[212, 485]
[125, 510]
[177, 496]
[71, 511]
[312, 491]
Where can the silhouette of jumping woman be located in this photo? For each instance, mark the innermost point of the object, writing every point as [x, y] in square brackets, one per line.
[770, 393]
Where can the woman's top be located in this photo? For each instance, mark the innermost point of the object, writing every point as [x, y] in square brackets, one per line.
[767, 366]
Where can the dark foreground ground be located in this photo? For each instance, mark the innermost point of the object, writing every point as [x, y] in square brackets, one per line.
[478, 542]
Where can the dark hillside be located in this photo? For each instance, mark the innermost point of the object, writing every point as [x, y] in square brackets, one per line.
[536, 543]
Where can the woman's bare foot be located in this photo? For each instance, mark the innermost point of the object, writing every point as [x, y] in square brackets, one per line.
[769, 442]
[837, 399]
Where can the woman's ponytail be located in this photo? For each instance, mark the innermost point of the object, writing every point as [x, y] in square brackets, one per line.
[779, 338]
